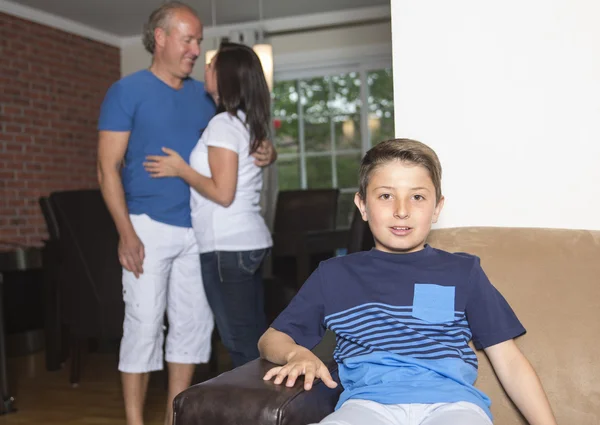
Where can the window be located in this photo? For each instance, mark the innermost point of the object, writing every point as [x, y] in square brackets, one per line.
[322, 130]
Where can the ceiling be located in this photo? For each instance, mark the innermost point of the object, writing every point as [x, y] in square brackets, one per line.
[123, 18]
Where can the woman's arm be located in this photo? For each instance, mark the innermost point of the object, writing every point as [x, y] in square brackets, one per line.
[521, 382]
[219, 188]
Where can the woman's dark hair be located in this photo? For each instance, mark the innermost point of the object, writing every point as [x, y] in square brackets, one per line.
[241, 85]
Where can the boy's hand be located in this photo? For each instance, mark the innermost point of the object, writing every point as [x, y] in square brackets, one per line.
[304, 363]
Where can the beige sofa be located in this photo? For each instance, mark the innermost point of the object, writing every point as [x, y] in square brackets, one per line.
[550, 277]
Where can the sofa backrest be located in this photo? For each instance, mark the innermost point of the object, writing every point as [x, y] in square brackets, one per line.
[551, 278]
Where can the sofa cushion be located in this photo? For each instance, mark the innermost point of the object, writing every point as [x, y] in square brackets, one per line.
[551, 278]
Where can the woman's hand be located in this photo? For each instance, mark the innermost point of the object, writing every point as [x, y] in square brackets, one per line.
[169, 165]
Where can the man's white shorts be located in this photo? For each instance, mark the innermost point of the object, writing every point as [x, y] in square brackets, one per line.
[171, 282]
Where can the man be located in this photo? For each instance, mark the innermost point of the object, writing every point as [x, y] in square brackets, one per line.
[143, 112]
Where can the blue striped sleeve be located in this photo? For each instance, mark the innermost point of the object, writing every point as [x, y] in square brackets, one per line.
[490, 317]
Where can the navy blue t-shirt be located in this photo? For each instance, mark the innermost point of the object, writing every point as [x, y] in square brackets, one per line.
[403, 323]
[156, 115]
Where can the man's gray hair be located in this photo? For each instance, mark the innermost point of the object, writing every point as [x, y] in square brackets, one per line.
[160, 19]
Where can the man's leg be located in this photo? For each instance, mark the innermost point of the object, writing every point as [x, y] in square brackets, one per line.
[190, 321]
[135, 386]
[145, 302]
[180, 378]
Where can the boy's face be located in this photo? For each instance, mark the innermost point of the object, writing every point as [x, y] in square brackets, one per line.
[400, 206]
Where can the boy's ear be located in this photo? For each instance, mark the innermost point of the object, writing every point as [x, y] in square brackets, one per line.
[438, 210]
[361, 205]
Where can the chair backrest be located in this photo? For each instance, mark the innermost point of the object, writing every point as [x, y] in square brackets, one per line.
[361, 238]
[306, 210]
[297, 211]
[91, 291]
[49, 217]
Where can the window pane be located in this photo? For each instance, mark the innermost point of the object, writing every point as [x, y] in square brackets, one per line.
[345, 96]
[288, 174]
[315, 94]
[347, 170]
[381, 88]
[346, 209]
[318, 172]
[285, 99]
[317, 134]
[347, 132]
[381, 105]
[286, 135]
[381, 128]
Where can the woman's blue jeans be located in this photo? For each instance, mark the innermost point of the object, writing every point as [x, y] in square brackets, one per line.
[234, 288]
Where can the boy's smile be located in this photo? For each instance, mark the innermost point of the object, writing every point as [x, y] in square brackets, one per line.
[401, 231]
[400, 206]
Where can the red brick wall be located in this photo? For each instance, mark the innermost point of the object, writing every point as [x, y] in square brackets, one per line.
[51, 86]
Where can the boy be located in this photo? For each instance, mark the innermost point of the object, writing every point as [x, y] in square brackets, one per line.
[403, 313]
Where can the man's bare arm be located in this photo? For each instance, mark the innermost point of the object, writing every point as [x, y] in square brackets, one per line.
[111, 151]
[266, 154]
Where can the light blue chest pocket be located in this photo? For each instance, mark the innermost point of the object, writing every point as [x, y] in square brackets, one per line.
[433, 303]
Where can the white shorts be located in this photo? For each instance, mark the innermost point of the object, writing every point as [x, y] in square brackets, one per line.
[365, 412]
[171, 281]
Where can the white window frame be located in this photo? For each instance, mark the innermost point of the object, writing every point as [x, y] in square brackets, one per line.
[323, 63]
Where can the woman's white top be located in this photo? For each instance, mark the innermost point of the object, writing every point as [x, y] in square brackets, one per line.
[239, 227]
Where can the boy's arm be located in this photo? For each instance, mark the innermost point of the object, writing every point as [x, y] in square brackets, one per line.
[279, 348]
[521, 382]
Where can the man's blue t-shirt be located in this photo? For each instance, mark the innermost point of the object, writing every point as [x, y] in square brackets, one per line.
[157, 116]
[403, 323]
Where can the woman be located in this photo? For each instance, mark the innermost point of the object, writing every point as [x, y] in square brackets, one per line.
[226, 185]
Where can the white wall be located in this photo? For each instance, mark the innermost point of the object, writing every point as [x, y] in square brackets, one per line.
[508, 94]
[134, 57]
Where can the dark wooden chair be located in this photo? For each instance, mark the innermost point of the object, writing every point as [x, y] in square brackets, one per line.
[55, 333]
[83, 272]
[301, 218]
[83, 279]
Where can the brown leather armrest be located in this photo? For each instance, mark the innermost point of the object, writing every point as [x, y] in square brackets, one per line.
[242, 397]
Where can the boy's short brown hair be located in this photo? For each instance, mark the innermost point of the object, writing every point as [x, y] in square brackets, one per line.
[405, 150]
